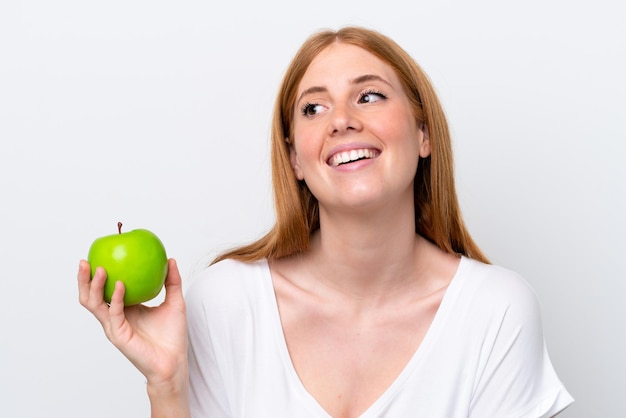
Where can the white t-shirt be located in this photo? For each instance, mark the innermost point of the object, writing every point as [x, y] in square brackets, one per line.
[483, 356]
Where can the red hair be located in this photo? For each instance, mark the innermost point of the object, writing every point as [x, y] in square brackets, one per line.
[437, 213]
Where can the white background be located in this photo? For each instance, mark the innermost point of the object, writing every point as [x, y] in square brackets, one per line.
[157, 114]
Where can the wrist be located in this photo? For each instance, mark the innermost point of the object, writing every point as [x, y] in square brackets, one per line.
[169, 398]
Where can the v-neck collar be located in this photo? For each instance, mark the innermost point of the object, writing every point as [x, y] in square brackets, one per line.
[427, 344]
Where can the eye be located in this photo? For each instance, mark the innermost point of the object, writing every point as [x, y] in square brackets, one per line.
[371, 96]
[311, 109]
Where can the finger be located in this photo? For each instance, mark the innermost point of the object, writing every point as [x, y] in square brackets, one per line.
[116, 308]
[96, 290]
[84, 282]
[95, 301]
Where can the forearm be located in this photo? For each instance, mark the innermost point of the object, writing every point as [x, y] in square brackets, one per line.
[170, 399]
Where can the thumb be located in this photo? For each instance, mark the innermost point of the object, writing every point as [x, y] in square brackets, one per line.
[173, 282]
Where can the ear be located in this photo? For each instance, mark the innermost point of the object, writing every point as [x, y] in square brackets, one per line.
[293, 157]
[425, 142]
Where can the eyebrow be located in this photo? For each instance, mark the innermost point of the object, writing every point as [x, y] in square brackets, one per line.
[358, 80]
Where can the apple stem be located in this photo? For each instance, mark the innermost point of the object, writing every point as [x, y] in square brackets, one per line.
[119, 227]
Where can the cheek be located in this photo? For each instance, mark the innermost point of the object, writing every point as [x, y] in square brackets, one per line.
[306, 157]
[306, 144]
[397, 133]
[404, 142]
[301, 156]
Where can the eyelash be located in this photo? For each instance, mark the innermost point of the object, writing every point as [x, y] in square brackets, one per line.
[376, 92]
[307, 106]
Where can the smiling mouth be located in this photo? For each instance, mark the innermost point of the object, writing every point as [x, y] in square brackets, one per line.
[351, 156]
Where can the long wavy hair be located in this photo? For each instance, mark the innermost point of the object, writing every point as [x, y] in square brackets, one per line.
[437, 214]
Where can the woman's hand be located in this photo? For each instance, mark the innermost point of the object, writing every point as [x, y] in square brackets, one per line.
[154, 339]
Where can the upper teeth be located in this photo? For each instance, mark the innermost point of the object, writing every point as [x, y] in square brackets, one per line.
[352, 155]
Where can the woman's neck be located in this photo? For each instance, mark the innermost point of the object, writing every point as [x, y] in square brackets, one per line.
[370, 254]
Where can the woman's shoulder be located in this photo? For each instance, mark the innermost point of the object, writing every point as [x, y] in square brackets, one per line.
[492, 276]
[496, 286]
[228, 271]
[228, 282]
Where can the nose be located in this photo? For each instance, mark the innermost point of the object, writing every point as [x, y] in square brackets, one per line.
[344, 119]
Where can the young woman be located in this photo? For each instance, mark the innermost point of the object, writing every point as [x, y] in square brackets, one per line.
[368, 298]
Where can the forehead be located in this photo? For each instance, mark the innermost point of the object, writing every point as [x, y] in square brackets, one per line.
[341, 62]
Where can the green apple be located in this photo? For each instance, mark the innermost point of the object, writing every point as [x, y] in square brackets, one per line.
[136, 258]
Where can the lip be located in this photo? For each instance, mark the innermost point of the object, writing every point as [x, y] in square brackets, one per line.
[351, 147]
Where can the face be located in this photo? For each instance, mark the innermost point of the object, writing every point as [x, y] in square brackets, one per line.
[356, 142]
